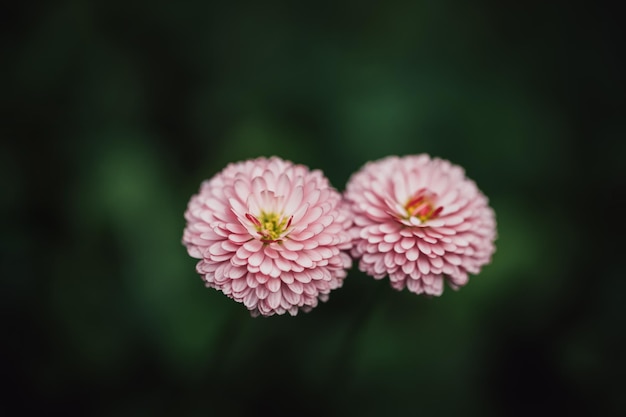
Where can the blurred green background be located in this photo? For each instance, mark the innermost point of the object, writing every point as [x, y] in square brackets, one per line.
[114, 112]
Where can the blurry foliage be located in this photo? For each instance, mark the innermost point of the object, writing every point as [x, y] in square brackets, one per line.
[116, 111]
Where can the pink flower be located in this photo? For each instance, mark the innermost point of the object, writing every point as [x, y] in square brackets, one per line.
[269, 234]
[418, 220]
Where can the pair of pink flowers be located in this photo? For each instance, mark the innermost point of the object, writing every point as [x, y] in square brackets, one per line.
[277, 237]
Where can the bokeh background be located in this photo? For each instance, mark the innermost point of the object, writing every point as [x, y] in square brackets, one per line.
[114, 112]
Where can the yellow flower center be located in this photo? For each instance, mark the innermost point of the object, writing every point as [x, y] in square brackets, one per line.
[422, 206]
[270, 226]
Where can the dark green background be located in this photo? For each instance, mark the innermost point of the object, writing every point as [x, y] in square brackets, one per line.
[114, 112]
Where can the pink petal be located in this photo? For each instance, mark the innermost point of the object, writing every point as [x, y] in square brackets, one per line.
[273, 299]
[266, 265]
[273, 284]
[256, 258]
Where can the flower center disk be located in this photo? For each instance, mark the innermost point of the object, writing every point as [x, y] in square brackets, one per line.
[422, 206]
[270, 226]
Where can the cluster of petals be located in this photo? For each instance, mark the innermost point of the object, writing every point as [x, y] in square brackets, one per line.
[270, 234]
[419, 221]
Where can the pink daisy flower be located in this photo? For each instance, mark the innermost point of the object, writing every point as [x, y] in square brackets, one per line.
[269, 234]
[419, 220]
